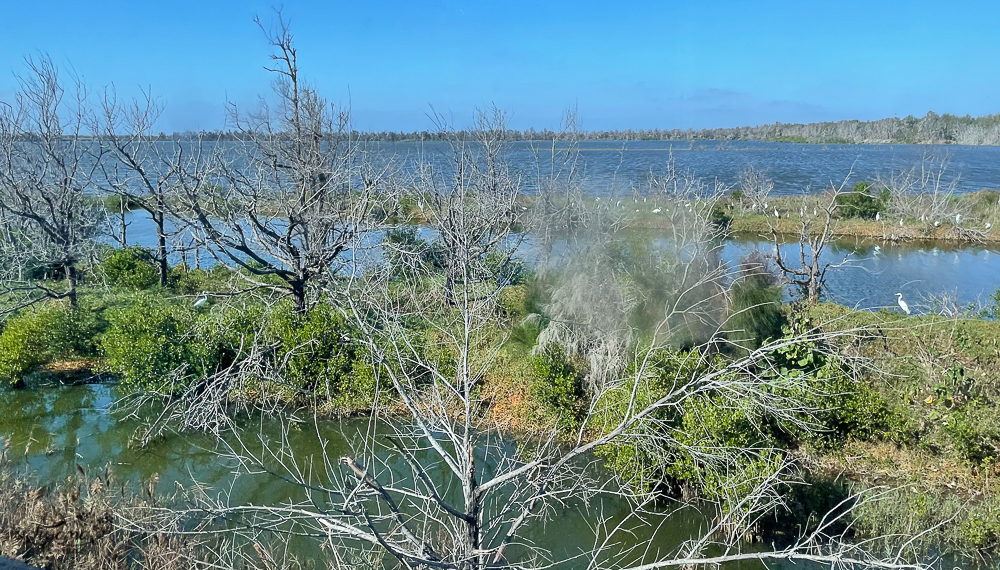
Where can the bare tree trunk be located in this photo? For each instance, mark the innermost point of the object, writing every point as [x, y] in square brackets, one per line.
[161, 247]
[70, 284]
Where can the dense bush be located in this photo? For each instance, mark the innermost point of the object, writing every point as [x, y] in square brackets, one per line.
[506, 269]
[156, 344]
[558, 384]
[860, 202]
[148, 340]
[41, 335]
[188, 281]
[130, 268]
[319, 356]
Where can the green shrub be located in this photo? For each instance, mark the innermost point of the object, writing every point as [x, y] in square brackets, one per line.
[42, 335]
[861, 203]
[971, 434]
[557, 384]
[506, 269]
[720, 216]
[147, 341]
[320, 356]
[130, 268]
[407, 250]
[848, 408]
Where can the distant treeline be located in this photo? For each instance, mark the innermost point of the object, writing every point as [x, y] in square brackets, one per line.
[929, 129]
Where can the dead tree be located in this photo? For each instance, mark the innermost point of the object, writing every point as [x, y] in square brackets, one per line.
[288, 199]
[47, 193]
[472, 208]
[815, 234]
[142, 173]
[434, 483]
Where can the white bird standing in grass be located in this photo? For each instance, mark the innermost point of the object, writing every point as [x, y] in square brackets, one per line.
[878, 216]
[902, 303]
[201, 300]
[988, 225]
[776, 214]
[900, 222]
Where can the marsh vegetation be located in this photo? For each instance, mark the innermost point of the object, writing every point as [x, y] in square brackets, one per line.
[303, 290]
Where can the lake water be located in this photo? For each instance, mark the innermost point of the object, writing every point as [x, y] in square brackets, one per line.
[921, 271]
[618, 166]
[49, 431]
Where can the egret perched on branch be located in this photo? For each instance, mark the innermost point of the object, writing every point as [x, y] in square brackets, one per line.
[958, 219]
[902, 303]
[201, 300]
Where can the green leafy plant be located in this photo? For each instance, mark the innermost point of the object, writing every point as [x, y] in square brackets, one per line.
[558, 384]
[38, 336]
[130, 268]
[860, 202]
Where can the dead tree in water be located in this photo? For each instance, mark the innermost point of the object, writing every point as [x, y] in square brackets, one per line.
[816, 230]
[434, 482]
[288, 199]
[47, 194]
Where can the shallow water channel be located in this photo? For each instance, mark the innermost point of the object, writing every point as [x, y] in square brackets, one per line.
[50, 431]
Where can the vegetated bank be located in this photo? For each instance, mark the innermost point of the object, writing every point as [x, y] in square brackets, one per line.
[921, 413]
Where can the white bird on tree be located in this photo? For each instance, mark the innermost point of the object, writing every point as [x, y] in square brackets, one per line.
[201, 300]
[902, 303]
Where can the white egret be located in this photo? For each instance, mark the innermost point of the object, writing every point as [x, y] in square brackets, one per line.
[900, 222]
[776, 214]
[936, 223]
[958, 219]
[902, 303]
[988, 225]
[656, 210]
[923, 218]
[201, 300]
[878, 216]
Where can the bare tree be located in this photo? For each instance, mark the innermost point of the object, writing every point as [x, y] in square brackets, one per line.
[434, 483]
[472, 208]
[47, 193]
[290, 197]
[144, 173]
[756, 186]
[924, 192]
[815, 234]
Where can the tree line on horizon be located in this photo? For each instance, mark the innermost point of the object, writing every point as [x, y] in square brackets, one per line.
[932, 128]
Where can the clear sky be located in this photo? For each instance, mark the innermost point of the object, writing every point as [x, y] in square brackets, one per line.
[623, 64]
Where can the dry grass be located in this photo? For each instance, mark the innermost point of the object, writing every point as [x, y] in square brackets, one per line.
[74, 526]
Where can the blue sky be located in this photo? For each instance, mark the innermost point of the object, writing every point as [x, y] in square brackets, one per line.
[623, 64]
